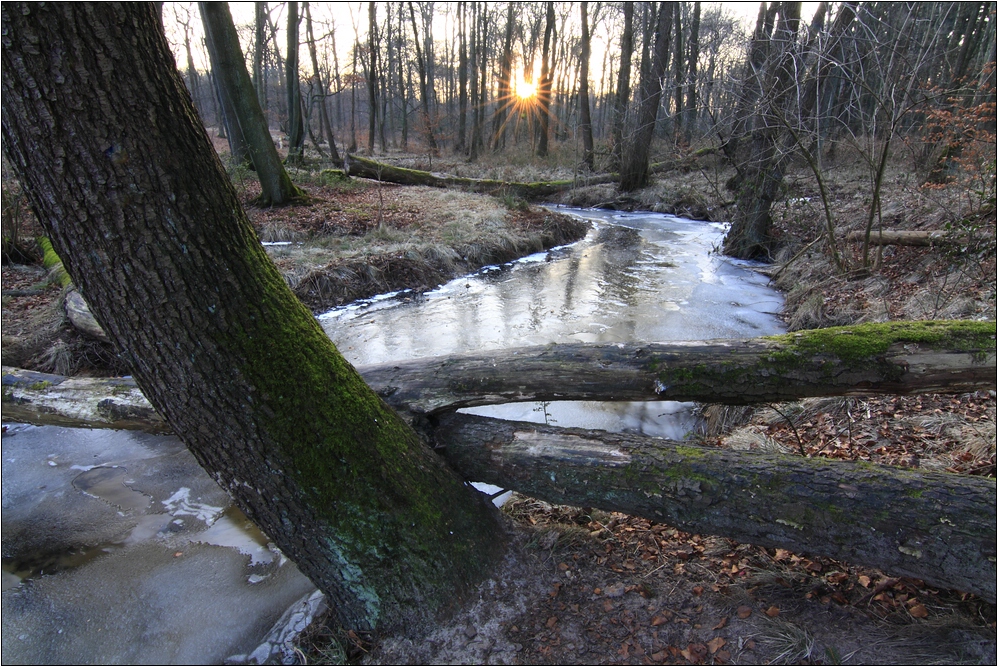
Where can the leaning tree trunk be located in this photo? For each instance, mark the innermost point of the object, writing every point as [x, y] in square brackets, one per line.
[938, 527]
[230, 73]
[152, 232]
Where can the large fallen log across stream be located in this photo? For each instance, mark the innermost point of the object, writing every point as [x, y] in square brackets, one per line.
[936, 526]
[866, 359]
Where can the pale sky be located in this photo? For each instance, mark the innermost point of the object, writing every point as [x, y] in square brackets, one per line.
[348, 14]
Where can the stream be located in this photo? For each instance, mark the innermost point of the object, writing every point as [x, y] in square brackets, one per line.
[636, 277]
[118, 548]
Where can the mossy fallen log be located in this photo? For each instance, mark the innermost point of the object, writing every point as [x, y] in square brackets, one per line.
[379, 171]
[866, 359]
[938, 527]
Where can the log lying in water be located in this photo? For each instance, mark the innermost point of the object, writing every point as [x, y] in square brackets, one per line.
[890, 358]
[938, 527]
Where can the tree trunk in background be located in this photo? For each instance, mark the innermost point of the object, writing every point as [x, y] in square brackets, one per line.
[505, 101]
[749, 236]
[623, 96]
[462, 103]
[585, 120]
[239, 150]
[476, 111]
[260, 34]
[634, 171]
[544, 90]
[327, 128]
[424, 86]
[750, 90]
[296, 126]
[692, 111]
[372, 74]
[152, 232]
[679, 70]
[234, 82]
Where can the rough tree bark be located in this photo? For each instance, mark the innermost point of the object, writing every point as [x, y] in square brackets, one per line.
[125, 181]
[233, 80]
[938, 527]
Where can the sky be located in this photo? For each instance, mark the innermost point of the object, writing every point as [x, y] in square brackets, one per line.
[347, 15]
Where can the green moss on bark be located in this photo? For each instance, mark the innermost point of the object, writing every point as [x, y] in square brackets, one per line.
[864, 341]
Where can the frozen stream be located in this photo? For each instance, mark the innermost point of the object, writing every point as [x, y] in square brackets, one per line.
[636, 277]
[118, 548]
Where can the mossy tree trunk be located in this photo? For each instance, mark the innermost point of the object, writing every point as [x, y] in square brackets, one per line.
[234, 82]
[124, 179]
[865, 359]
[938, 527]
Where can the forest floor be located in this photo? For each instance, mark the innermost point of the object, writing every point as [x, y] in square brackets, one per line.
[582, 586]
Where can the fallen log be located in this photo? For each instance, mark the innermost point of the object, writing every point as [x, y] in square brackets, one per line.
[42, 398]
[909, 238]
[79, 315]
[379, 171]
[889, 358]
[938, 527]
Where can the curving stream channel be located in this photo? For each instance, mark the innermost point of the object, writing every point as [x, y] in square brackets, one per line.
[118, 548]
[636, 277]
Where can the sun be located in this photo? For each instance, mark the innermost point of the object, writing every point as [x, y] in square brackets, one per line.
[524, 89]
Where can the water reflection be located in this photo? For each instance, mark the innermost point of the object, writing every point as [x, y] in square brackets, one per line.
[636, 277]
